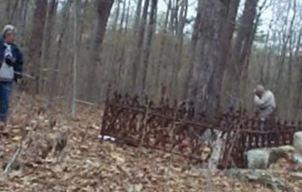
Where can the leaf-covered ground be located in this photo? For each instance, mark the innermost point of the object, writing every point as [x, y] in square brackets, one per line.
[90, 165]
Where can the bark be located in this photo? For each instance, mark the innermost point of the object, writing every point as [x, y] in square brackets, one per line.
[22, 18]
[52, 11]
[240, 51]
[298, 87]
[125, 66]
[244, 74]
[139, 47]
[161, 68]
[116, 17]
[192, 51]
[137, 15]
[216, 31]
[122, 21]
[264, 68]
[260, 11]
[282, 46]
[290, 59]
[58, 54]
[151, 31]
[286, 40]
[48, 30]
[77, 9]
[182, 18]
[127, 17]
[36, 40]
[84, 13]
[8, 11]
[103, 12]
[173, 17]
[15, 9]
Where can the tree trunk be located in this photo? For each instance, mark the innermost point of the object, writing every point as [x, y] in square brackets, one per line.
[127, 16]
[240, 51]
[57, 62]
[244, 76]
[138, 48]
[137, 15]
[122, 21]
[14, 13]
[284, 47]
[22, 18]
[103, 12]
[116, 17]
[192, 51]
[151, 31]
[36, 40]
[178, 48]
[297, 100]
[49, 25]
[286, 55]
[77, 9]
[161, 69]
[216, 31]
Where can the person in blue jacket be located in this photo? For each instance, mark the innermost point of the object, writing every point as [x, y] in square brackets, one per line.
[11, 62]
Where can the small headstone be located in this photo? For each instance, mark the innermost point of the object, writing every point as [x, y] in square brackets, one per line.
[297, 158]
[262, 158]
[258, 158]
[298, 142]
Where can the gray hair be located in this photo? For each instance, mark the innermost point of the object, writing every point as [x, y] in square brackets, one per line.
[8, 29]
[260, 88]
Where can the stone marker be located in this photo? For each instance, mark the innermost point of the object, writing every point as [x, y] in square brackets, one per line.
[258, 158]
[262, 158]
[298, 147]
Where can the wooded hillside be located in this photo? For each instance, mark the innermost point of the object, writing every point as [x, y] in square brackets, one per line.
[210, 51]
[176, 65]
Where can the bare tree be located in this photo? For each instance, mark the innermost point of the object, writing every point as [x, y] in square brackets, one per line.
[138, 14]
[139, 46]
[56, 64]
[150, 34]
[161, 67]
[48, 30]
[216, 31]
[178, 48]
[103, 12]
[192, 50]
[36, 40]
[241, 49]
[77, 8]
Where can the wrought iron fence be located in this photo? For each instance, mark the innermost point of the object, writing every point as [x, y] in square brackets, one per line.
[178, 129]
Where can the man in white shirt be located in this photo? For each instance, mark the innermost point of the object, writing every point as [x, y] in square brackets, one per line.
[265, 102]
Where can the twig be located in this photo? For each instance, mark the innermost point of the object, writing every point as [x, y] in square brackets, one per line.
[10, 163]
[144, 126]
[15, 156]
[26, 75]
[123, 171]
[173, 127]
[86, 102]
[77, 100]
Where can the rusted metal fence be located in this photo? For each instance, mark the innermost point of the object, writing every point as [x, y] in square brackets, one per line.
[179, 129]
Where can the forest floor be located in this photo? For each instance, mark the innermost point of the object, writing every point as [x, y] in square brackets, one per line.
[90, 165]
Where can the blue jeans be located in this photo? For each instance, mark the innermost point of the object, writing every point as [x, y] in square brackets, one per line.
[5, 93]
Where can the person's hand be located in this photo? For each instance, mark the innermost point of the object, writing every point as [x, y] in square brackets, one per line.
[257, 93]
[10, 60]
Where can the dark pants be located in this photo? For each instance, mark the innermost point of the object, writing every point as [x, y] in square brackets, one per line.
[5, 93]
